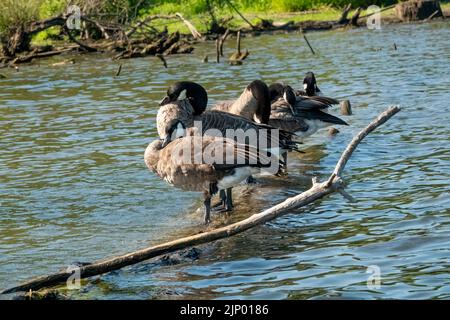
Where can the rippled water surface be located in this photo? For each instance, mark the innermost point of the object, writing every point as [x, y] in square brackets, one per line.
[74, 187]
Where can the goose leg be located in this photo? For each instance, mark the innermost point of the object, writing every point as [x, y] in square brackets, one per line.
[226, 201]
[283, 166]
[222, 203]
[207, 216]
[229, 201]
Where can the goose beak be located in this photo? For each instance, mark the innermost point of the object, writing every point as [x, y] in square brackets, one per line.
[164, 101]
[166, 141]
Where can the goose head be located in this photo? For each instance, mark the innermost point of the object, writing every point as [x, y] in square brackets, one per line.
[276, 91]
[261, 93]
[310, 84]
[187, 90]
[279, 90]
[176, 129]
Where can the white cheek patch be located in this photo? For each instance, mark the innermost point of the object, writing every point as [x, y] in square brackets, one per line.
[179, 131]
[182, 95]
[305, 86]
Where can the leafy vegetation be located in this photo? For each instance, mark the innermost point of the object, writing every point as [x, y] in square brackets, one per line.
[14, 13]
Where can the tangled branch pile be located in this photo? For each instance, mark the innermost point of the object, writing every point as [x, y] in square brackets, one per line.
[103, 26]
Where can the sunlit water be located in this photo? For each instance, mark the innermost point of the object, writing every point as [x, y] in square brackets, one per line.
[74, 187]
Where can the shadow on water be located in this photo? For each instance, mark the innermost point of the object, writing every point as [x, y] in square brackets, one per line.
[73, 185]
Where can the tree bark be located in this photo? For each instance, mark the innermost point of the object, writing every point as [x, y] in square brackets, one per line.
[343, 19]
[418, 10]
[355, 17]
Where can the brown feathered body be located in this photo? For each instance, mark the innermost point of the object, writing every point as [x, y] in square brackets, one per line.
[245, 106]
[305, 117]
[222, 124]
[202, 163]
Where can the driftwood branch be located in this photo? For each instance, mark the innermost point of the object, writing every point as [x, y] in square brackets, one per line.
[163, 60]
[217, 50]
[82, 45]
[355, 17]
[343, 19]
[238, 57]
[222, 40]
[197, 35]
[240, 14]
[307, 42]
[33, 55]
[317, 191]
[98, 25]
[381, 10]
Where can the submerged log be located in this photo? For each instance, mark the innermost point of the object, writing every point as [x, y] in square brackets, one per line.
[119, 69]
[218, 50]
[332, 131]
[346, 108]
[418, 10]
[307, 42]
[238, 56]
[163, 60]
[317, 191]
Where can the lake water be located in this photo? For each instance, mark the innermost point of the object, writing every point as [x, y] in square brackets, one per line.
[74, 186]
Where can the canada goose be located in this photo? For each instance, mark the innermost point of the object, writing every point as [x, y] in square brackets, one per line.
[310, 87]
[279, 90]
[185, 106]
[177, 164]
[253, 103]
[304, 117]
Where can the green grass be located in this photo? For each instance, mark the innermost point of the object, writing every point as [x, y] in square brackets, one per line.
[253, 14]
[15, 12]
[277, 10]
[201, 20]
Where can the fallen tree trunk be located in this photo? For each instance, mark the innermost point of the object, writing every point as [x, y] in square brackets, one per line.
[343, 19]
[418, 10]
[355, 17]
[317, 191]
